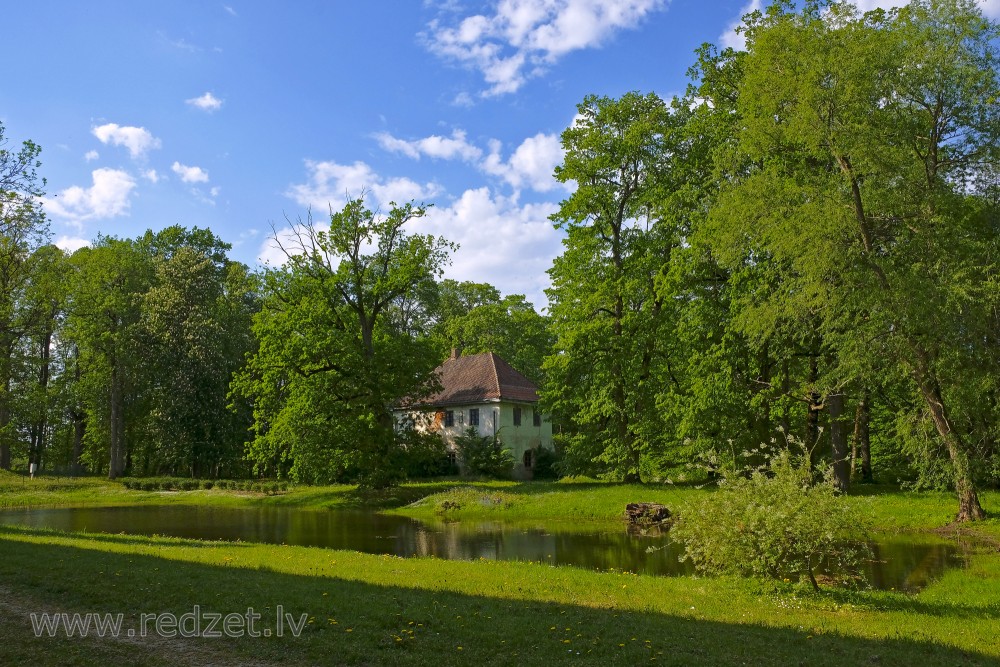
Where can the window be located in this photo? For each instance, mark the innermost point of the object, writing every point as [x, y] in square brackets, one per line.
[517, 415]
[536, 417]
[449, 417]
[474, 417]
[529, 458]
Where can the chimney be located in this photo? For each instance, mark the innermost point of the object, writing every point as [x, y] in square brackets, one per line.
[456, 352]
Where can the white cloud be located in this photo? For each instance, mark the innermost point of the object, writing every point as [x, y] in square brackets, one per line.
[230, 10]
[207, 102]
[532, 164]
[90, 156]
[215, 191]
[523, 37]
[71, 244]
[151, 176]
[445, 148]
[189, 174]
[138, 140]
[732, 39]
[502, 242]
[330, 184]
[108, 197]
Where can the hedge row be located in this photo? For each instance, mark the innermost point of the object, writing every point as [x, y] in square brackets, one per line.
[186, 484]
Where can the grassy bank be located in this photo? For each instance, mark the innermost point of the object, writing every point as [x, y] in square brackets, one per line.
[365, 609]
[567, 502]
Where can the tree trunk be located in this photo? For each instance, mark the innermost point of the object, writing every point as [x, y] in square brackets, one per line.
[862, 438]
[116, 465]
[969, 508]
[838, 442]
[815, 406]
[79, 429]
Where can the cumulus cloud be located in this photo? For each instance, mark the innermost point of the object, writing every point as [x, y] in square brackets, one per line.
[502, 242]
[207, 102]
[531, 164]
[107, 197]
[189, 174]
[138, 140]
[434, 146]
[733, 39]
[330, 184]
[90, 156]
[71, 244]
[522, 38]
[151, 175]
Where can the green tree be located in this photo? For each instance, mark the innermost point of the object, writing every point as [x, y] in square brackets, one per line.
[333, 361]
[196, 324]
[855, 168]
[23, 228]
[607, 315]
[510, 326]
[104, 324]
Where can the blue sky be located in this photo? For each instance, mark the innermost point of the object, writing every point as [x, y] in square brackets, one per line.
[240, 116]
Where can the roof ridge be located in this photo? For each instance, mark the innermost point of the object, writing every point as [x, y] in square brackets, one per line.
[496, 376]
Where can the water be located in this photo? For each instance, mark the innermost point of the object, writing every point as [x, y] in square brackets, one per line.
[901, 562]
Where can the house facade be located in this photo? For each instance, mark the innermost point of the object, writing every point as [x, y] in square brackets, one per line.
[484, 392]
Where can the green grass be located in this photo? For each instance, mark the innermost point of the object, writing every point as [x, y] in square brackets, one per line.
[367, 609]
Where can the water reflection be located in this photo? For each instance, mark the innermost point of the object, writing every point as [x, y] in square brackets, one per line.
[901, 562]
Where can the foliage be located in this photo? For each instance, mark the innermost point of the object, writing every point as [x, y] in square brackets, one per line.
[548, 464]
[484, 455]
[607, 317]
[773, 521]
[336, 352]
[424, 454]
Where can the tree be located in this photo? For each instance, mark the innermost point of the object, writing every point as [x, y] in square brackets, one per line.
[607, 315]
[104, 324]
[509, 326]
[196, 323]
[23, 228]
[856, 168]
[333, 361]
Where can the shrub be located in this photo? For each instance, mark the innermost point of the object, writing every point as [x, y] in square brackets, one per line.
[424, 454]
[547, 464]
[773, 521]
[207, 484]
[484, 455]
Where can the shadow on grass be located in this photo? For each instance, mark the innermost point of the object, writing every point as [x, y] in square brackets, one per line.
[363, 623]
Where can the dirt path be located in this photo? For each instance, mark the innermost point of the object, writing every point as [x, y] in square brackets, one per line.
[19, 645]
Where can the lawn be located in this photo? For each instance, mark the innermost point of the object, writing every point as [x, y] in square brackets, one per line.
[365, 609]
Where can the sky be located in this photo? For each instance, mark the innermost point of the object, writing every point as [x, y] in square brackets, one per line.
[244, 117]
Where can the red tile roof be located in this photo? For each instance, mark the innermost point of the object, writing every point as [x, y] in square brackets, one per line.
[480, 378]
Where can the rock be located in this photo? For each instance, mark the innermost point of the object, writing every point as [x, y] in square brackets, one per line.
[647, 513]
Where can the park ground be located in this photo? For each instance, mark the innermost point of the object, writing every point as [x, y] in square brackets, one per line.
[365, 609]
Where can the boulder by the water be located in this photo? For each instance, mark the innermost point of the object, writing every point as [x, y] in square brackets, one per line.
[647, 513]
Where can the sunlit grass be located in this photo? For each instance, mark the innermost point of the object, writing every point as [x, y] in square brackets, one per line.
[368, 609]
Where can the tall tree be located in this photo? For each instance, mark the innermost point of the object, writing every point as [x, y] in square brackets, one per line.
[607, 314]
[333, 361]
[23, 228]
[865, 137]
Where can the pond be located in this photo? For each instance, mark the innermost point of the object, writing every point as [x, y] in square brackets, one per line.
[904, 562]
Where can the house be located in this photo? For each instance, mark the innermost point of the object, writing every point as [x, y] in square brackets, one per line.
[485, 392]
